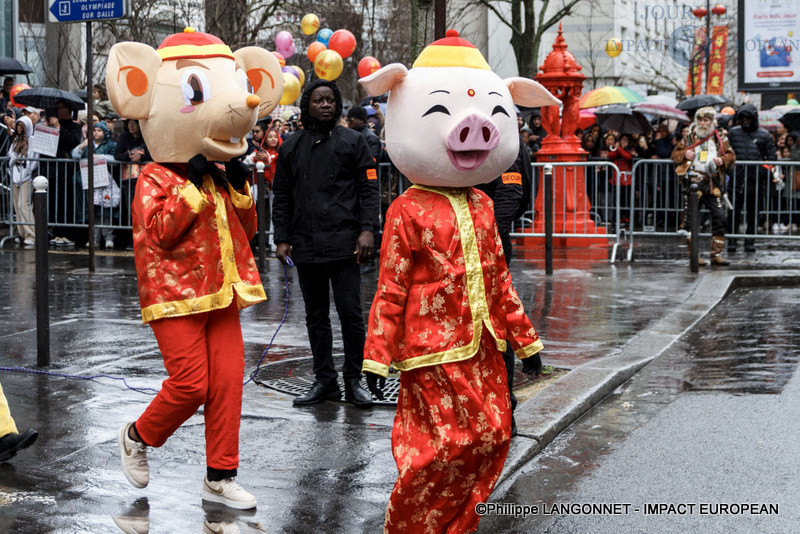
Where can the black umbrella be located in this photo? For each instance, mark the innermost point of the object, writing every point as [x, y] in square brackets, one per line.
[47, 98]
[622, 119]
[791, 119]
[10, 65]
[700, 101]
[81, 94]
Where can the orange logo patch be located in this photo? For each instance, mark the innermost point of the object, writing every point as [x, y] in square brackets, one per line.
[514, 178]
[372, 174]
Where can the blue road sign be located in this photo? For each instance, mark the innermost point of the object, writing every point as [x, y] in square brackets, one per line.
[86, 10]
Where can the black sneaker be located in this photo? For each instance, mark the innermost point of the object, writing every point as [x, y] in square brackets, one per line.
[11, 443]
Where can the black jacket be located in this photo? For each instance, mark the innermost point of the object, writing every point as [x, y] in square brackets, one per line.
[755, 144]
[126, 142]
[323, 197]
[507, 191]
[373, 141]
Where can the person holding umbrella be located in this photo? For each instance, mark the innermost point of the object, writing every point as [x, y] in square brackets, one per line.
[702, 157]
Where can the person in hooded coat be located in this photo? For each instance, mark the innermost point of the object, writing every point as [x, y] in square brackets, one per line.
[750, 143]
[107, 197]
[21, 177]
[324, 213]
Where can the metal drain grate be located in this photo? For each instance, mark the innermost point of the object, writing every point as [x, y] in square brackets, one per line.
[296, 377]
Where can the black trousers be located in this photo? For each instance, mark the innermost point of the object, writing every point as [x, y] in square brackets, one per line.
[509, 358]
[719, 218]
[316, 279]
[750, 194]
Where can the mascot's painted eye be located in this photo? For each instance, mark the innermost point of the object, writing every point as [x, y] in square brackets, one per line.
[500, 109]
[438, 108]
[246, 85]
[195, 87]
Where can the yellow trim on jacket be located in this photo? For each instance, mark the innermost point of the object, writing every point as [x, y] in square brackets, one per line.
[246, 295]
[476, 290]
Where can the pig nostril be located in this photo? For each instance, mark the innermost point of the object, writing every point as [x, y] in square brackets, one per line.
[486, 134]
[464, 134]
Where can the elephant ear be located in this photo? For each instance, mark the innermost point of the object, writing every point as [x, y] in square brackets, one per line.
[264, 73]
[130, 76]
[529, 93]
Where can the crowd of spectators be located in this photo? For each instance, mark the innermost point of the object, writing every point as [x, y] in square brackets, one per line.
[659, 188]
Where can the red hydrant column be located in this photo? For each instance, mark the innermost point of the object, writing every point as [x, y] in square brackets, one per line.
[561, 75]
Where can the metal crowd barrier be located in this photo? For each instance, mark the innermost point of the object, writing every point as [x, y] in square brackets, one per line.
[587, 204]
[651, 205]
[68, 201]
[763, 196]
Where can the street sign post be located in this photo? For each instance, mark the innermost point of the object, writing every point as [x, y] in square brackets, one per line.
[86, 10]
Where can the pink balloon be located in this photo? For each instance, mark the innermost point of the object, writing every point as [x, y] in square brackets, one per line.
[290, 51]
[283, 40]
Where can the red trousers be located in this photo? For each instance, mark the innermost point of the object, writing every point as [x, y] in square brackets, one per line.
[450, 440]
[204, 356]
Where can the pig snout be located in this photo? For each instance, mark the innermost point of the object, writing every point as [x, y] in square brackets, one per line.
[469, 143]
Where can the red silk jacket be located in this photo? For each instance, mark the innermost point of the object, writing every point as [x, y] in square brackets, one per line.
[442, 280]
[191, 246]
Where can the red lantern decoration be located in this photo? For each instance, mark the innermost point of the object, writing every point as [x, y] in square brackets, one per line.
[699, 12]
[13, 92]
[367, 66]
[718, 10]
[343, 42]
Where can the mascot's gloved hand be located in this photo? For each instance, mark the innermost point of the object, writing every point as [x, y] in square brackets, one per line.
[237, 173]
[198, 166]
[375, 383]
[532, 365]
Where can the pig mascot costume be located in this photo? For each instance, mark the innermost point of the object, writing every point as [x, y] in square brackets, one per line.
[444, 304]
[192, 221]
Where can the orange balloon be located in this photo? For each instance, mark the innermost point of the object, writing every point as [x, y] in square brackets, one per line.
[314, 49]
[367, 66]
[281, 59]
[16, 89]
[343, 42]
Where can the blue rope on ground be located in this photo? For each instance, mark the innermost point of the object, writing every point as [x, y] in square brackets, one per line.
[152, 391]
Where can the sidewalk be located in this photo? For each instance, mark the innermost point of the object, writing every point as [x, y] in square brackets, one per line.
[323, 468]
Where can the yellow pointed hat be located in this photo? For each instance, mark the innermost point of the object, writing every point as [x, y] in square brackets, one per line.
[452, 51]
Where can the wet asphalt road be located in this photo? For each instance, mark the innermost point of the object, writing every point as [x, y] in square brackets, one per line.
[711, 423]
[322, 469]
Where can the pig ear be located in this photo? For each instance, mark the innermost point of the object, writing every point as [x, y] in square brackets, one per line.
[130, 74]
[529, 93]
[384, 79]
[264, 72]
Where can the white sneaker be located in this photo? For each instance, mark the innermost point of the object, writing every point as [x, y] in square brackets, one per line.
[228, 492]
[222, 527]
[775, 228]
[29, 241]
[134, 458]
[109, 244]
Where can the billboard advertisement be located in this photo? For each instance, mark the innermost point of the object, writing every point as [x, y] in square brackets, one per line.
[769, 38]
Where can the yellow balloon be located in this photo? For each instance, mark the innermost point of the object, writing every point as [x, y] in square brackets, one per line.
[328, 65]
[291, 89]
[300, 73]
[309, 24]
[613, 47]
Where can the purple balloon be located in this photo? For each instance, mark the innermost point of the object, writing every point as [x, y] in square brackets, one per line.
[290, 70]
[283, 40]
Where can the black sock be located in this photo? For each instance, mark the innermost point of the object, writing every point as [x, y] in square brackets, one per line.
[215, 475]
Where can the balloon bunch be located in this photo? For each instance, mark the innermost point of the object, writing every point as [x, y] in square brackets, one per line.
[327, 53]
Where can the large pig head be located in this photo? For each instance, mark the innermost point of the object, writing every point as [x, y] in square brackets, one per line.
[450, 121]
[193, 95]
